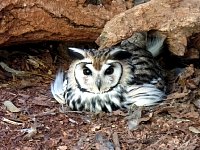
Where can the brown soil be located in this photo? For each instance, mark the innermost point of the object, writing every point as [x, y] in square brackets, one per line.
[172, 125]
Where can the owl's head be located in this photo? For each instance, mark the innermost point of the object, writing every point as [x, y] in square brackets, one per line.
[98, 71]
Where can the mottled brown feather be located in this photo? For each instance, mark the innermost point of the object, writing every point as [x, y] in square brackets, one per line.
[98, 59]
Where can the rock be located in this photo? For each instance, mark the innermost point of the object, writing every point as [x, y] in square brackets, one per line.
[195, 41]
[38, 20]
[177, 19]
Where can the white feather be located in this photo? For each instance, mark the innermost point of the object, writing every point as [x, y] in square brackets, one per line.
[155, 45]
[77, 50]
[144, 95]
[58, 87]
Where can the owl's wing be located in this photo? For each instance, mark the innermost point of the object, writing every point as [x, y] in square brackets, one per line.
[58, 87]
[153, 43]
[143, 95]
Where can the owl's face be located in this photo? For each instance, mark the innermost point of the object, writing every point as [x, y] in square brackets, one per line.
[98, 81]
[98, 71]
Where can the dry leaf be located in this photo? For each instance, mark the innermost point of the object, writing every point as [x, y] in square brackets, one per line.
[116, 141]
[11, 107]
[35, 62]
[73, 121]
[180, 120]
[134, 117]
[102, 143]
[145, 119]
[41, 101]
[194, 130]
[62, 147]
[118, 113]
[176, 95]
[26, 84]
[197, 103]
[188, 72]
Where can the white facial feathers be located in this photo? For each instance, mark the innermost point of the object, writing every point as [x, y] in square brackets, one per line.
[97, 81]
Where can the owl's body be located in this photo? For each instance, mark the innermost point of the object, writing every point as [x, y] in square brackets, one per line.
[110, 79]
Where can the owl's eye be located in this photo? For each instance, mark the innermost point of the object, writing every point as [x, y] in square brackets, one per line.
[87, 71]
[109, 71]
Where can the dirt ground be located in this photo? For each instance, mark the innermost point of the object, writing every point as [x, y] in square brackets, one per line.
[38, 122]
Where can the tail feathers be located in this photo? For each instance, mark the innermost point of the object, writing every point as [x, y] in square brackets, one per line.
[144, 95]
[155, 44]
[58, 87]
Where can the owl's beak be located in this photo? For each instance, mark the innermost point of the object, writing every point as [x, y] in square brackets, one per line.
[98, 83]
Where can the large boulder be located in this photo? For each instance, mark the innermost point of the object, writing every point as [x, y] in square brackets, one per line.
[67, 20]
[177, 19]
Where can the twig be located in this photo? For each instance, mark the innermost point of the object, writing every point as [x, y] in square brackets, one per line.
[116, 141]
[78, 112]
[51, 112]
[13, 71]
[20, 73]
[11, 121]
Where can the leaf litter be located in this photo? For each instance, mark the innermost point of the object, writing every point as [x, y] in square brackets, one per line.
[172, 125]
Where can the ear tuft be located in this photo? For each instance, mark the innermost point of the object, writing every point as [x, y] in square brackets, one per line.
[120, 54]
[77, 53]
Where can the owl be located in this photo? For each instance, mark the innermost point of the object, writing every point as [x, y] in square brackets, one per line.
[112, 78]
